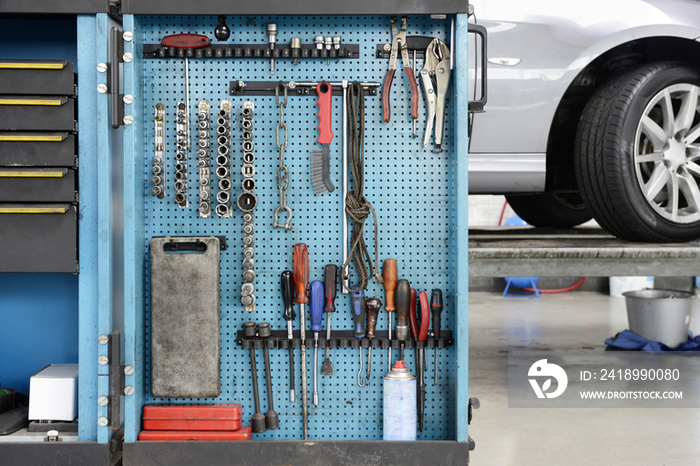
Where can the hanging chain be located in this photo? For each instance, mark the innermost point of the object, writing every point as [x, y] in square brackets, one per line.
[282, 172]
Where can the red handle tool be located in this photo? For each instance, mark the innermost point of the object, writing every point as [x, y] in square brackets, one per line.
[301, 272]
[185, 41]
[412, 318]
[424, 316]
[325, 112]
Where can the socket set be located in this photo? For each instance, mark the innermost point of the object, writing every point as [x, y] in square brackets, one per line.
[158, 179]
[223, 160]
[203, 162]
[183, 145]
[247, 201]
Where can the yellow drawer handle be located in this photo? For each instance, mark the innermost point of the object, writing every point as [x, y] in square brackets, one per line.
[28, 174]
[54, 103]
[32, 66]
[8, 138]
[33, 210]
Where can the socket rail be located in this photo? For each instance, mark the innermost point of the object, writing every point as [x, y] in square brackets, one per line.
[158, 178]
[247, 201]
[183, 145]
[203, 162]
[223, 160]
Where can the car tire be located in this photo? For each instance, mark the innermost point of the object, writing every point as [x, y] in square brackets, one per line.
[550, 210]
[635, 152]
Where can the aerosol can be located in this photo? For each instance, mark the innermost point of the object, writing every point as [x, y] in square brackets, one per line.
[400, 417]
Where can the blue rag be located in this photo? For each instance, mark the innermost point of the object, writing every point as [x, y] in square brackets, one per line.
[631, 341]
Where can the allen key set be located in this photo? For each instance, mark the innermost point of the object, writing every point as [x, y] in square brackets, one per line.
[336, 190]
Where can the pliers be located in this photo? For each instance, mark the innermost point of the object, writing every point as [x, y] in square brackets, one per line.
[399, 42]
[419, 334]
[436, 79]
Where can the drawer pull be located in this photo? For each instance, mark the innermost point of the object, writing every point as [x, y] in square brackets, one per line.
[13, 138]
[33, 210]
[32, 174]
[46, 102]
[32, 66]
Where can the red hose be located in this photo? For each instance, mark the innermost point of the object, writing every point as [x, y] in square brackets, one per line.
[503, 211]
[559, 290]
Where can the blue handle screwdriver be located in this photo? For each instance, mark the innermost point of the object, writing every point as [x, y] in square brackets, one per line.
[358, 306]
[316, 325]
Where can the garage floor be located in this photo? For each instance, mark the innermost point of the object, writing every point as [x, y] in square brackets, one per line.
[573, 437]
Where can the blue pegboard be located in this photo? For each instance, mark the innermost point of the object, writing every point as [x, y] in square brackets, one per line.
[411, 189]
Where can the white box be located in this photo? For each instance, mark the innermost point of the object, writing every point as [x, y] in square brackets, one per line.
[53, 393]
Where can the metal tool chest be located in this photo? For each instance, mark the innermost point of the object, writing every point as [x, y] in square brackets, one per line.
[420, 198]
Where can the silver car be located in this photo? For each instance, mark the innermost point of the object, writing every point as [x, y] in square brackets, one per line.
[592, 112]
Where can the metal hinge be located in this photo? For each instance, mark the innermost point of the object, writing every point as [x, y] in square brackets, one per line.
[116, 379]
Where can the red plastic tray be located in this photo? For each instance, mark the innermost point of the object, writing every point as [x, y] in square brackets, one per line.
[187, 417]
[244, 433]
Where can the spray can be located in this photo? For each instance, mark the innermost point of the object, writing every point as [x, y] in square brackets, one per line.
[400, 404]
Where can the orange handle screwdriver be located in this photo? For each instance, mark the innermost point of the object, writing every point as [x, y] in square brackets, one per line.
[301, 281]
[391, 275]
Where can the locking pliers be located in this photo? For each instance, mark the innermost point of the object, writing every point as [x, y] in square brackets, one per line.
[436, 79]
[399, 43]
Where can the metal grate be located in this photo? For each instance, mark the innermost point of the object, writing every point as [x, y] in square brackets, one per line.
[411, 190]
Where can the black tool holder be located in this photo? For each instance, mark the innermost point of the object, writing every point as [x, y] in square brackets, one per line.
[245, 51]
[344, 339]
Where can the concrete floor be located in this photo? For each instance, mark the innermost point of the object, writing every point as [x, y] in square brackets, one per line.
[571, 437]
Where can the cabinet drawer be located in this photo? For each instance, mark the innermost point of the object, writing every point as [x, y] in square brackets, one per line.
[37, 149]
[43, 77]
[37, 185]
[37, 113]
[38, 238]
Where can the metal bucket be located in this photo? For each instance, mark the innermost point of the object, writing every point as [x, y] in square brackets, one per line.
[660, 315]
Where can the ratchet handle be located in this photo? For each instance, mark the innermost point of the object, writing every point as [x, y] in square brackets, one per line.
[301, 272]
[412, 315]
[373, 306]
[386, 90]
[185, 41]
[358, 306]
[330, 284]
[413, 86]
[424, 316]
[316, 306]
[325, 111]
[288, 295]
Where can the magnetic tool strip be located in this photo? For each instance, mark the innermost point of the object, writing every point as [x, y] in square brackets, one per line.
[412, 190]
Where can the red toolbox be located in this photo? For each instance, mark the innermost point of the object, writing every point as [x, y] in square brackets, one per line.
[244, 433]
[188, 417]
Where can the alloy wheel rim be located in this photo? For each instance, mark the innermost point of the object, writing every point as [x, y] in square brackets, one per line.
[667, 153]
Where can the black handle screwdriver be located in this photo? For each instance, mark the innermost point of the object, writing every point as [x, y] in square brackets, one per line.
[436, 307]
[403, 300]
[289, 316]
[358, 308]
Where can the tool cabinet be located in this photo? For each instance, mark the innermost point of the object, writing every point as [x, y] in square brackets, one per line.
[420, 198]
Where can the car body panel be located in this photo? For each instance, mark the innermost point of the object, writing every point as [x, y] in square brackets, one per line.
[551, 41]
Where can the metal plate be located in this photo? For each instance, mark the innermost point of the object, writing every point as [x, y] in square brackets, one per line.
[33, 117]
[37, 81]
[185, 319]
[37, 149]
[37, 185]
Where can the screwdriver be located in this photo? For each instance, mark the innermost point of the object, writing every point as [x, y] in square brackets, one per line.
[422, 335]
[436, 307]
[289, 316]
[373, 306]
[316, 306]
[403, 298]
[390, 274]
[412, 320]
[301, 279]
[357, 306]
[331, 280]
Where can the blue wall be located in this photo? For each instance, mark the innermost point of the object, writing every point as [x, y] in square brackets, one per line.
[38, 324]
